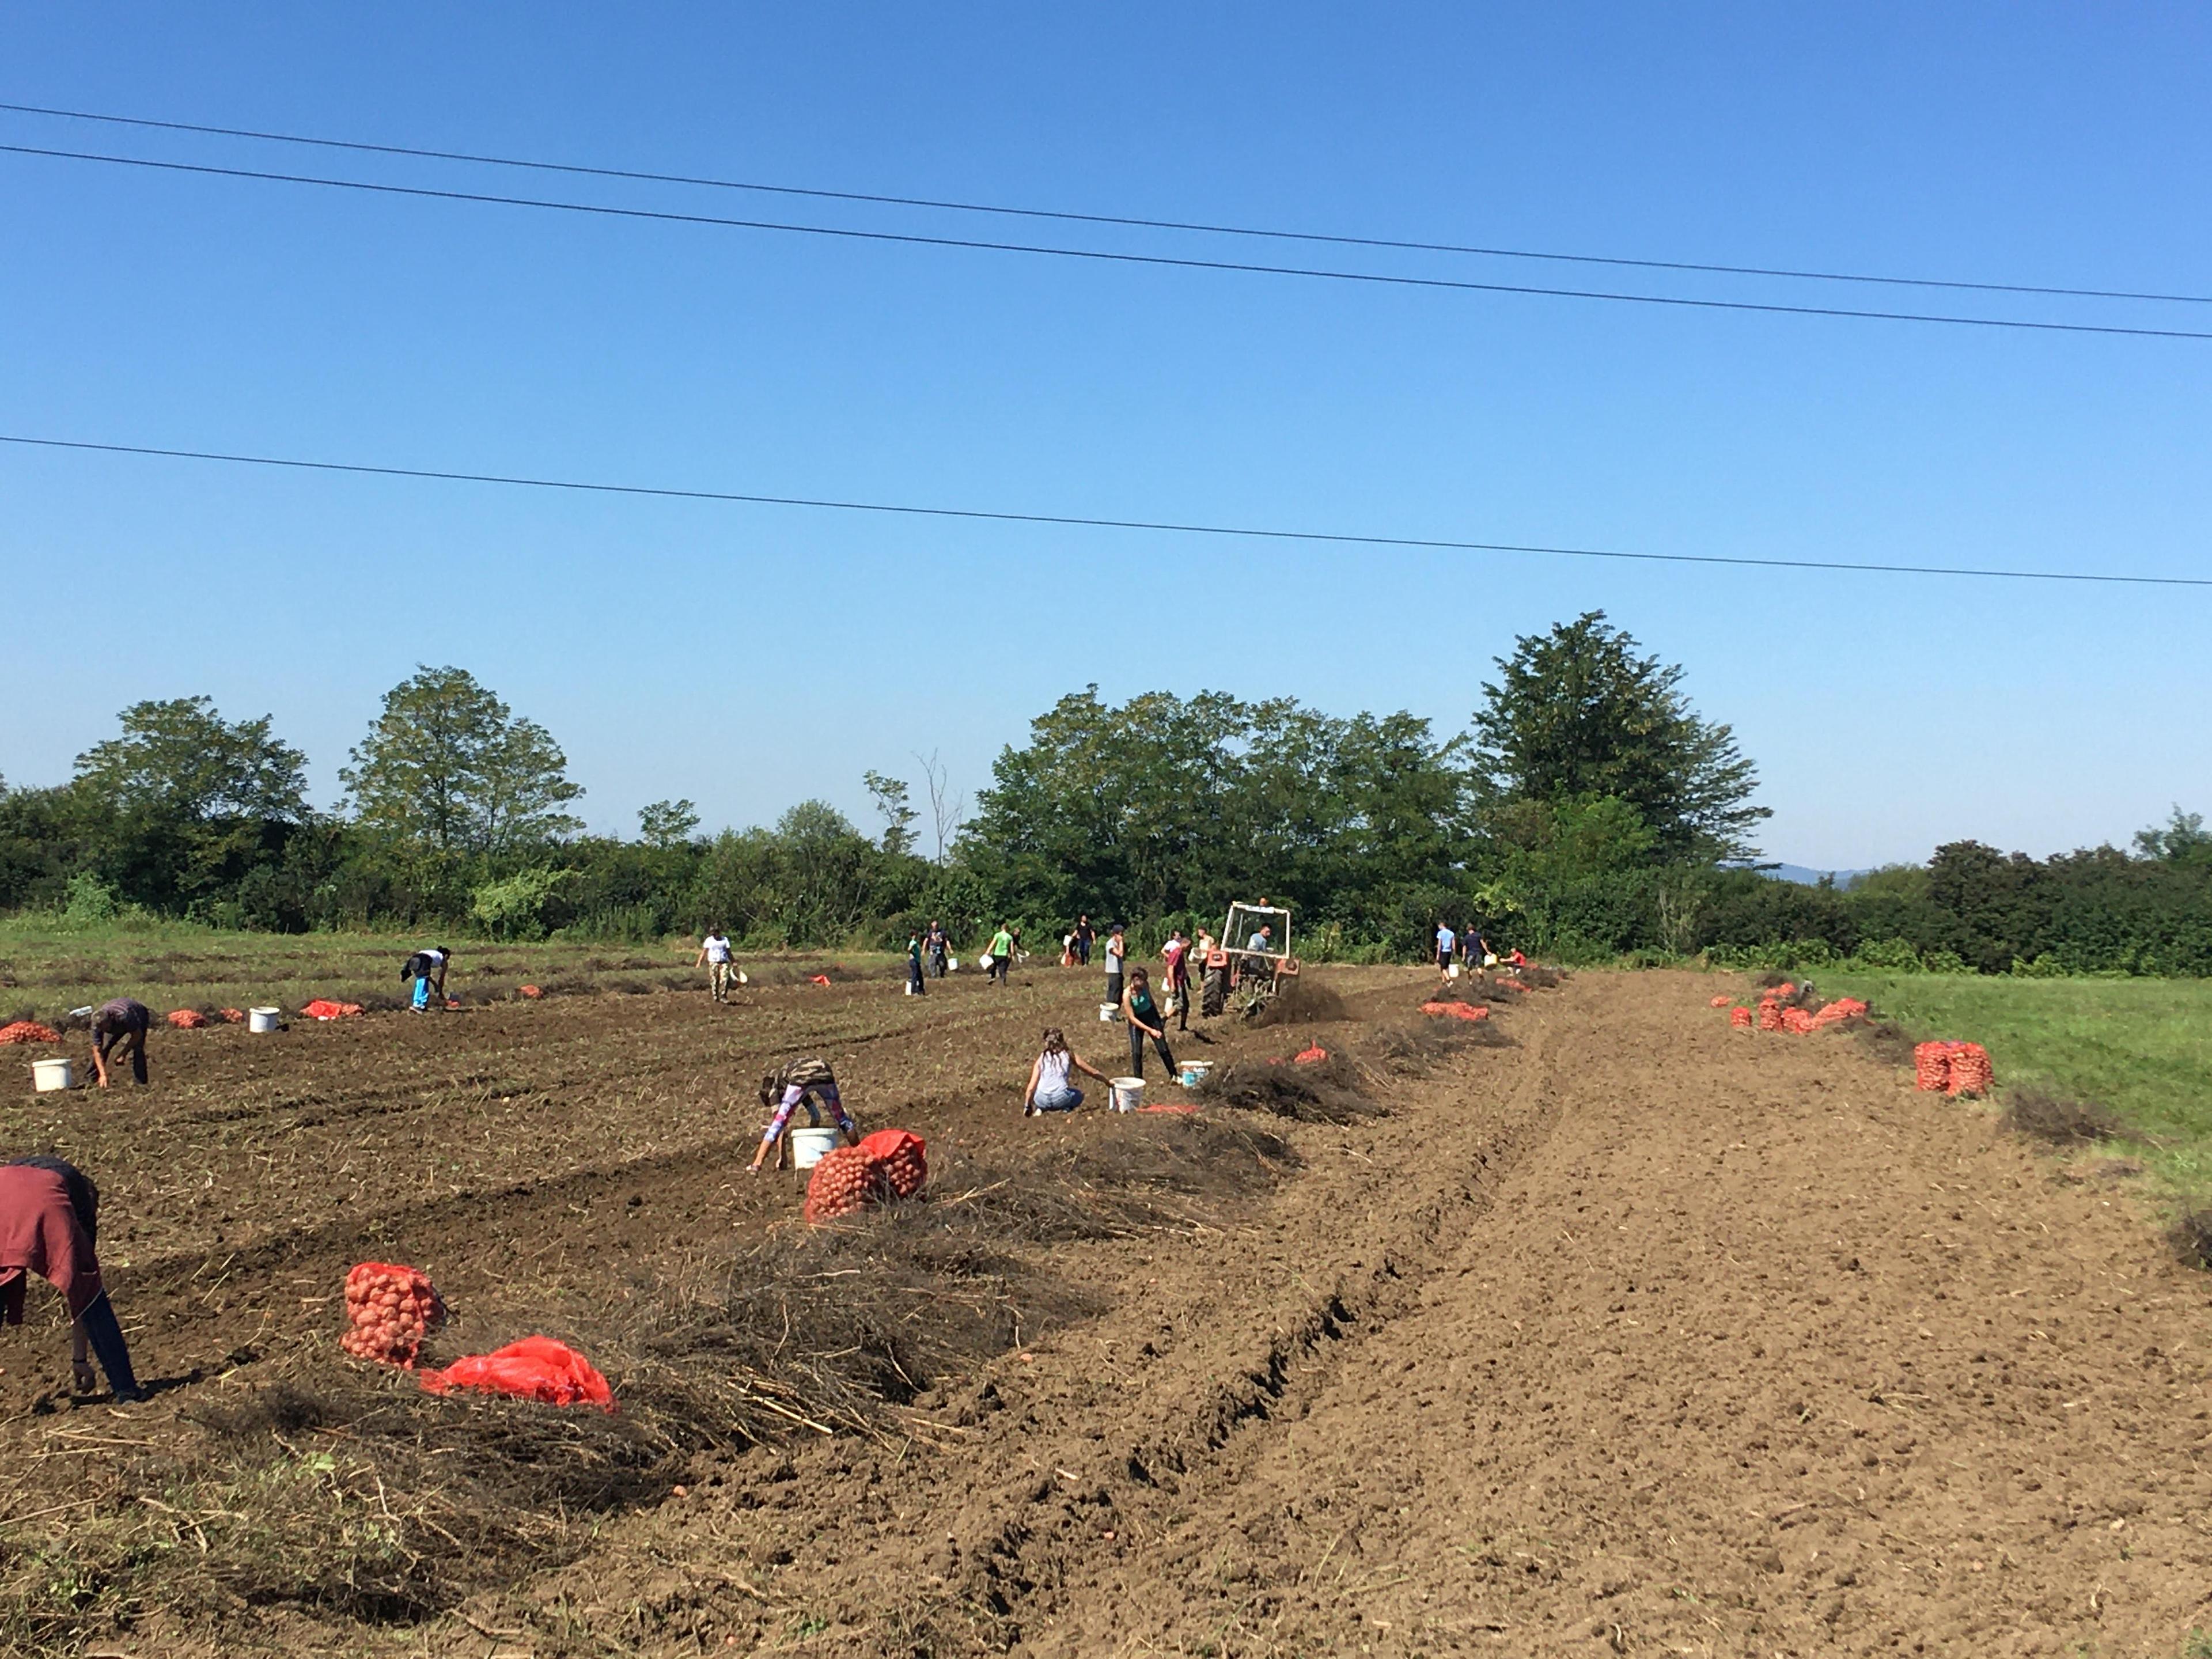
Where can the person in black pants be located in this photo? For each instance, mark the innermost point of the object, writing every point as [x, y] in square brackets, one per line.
[1118, 956]
[119, 1029]
[48, 1223]
[1146, 1022]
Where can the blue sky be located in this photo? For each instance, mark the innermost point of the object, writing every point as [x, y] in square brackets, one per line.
[750, 657]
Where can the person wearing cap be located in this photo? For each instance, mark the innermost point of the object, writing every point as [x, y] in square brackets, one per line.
[118, 1028]
[1117, 956]
[48, 1223]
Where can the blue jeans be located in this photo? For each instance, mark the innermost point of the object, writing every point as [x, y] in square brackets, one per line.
[1057, 1100]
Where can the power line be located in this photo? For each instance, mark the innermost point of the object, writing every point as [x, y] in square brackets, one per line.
[1076, 521]
[1100, 256]
[1069, 217]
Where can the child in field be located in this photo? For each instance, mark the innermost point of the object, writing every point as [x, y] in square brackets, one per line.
[1050, 1088]
[804, 1081]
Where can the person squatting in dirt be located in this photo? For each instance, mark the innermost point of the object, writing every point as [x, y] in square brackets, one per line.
[427, 970]
[1050, 1088]
[49, 1222]
[118, 1028]
[719, 962]
[1176, 954]
[804, 1081]
[1146, 1022]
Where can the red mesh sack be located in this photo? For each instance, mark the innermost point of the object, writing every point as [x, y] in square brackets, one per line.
[1836, 1012]
[1313, 1054]
[233, 1016]
[846, 1180]
[902, 1155]
[1720, 1002]
[1797, 1020]
[1769, 1014]
[323, 1008]
[1740, 1018]
[531, 991]
[1971, 1071]
[28, 1030]
[187, 1019]
[391, 1310]
[1931, 1066]
[1454, 1011]
[537, 1368]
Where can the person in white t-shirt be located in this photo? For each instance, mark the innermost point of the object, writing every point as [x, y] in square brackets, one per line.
[715, 954]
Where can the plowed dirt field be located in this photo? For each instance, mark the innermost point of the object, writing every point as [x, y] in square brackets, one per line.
[1639, 1334]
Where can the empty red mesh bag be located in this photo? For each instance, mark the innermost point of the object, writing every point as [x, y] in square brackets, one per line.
[323, 1008]
[902, 1157]
[845, 1181]
[537, 1368]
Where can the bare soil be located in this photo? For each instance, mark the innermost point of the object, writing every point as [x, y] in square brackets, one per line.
[1633, 1334]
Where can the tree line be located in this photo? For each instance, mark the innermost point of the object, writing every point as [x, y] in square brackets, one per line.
[1586, 812]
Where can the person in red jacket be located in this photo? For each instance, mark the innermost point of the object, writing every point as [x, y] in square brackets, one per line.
[49, 1219]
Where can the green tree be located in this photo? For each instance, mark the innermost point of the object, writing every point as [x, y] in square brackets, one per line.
[666, 824]
[2182, 840]
[892, 801]
[1578, 714]
[182, 760]
[450, 769]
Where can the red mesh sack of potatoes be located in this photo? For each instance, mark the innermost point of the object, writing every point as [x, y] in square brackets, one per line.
[187, 1019]
[902, 1155]
[1769, 1014]
[28, 1030]
[1836, 1012]
[1971, 1071]
[233, 1016]
[1720, 1002]
[1739, 1018]
[1931, 1066]
[392, 1309]
[846, 1180]
[1798, 1020]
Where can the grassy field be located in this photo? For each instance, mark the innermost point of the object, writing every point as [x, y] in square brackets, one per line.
[2142, 1047]
[46, 968]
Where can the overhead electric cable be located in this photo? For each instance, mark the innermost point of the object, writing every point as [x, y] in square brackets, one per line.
[1071, 217]
[1078, 521]
[1100, 255]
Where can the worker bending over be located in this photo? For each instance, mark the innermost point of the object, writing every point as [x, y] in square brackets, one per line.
[119, 1029]
[49, 1220]
[806, 1082]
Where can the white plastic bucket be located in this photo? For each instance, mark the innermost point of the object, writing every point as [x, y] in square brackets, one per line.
[1195, 1072]
[1109, 1013]
[1129, 1093]
[50, 1074]
[1453, 971]
[262, 1020]
[952, 964]
[808, 1145]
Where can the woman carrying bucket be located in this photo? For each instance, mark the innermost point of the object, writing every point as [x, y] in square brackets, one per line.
[804, 1081]
[1145, 1020]
[1050, 1089]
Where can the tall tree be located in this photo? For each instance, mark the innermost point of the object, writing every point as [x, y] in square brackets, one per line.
[450, 769]
[1578, 713]
[181, 759]
[892, 799]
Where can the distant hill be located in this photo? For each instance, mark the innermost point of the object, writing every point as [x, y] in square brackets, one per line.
[1805, 878]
